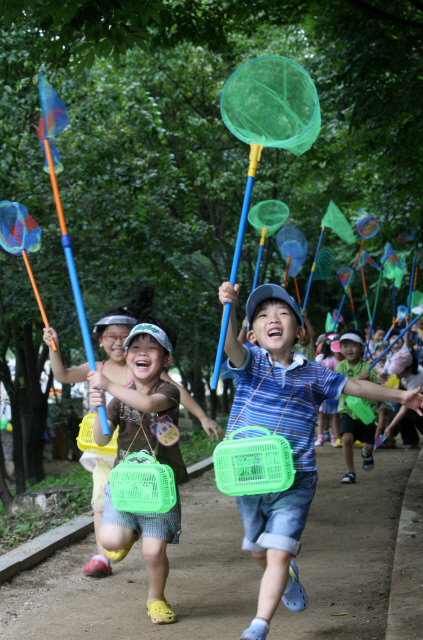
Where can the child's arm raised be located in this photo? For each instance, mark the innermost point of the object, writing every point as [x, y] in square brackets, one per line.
[234, 349]
[310, 330]
[61, 374]
[370, 391]
[97, 400]
[132, 397]
[193, 407]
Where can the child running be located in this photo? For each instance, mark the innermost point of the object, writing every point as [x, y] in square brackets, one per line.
[352, 428]
[149, 349]
[112, 330]
[281, 391]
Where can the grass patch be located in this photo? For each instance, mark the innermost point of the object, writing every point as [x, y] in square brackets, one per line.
[20, 528]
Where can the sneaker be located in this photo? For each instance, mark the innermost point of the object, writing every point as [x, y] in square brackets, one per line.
[326, 436]
[358, 443]
[411, 446]
[117, 556]
[160, 612]
[368, 462]
[255, 632]
[319, 441]
[333, 439]
[348, 478]
[294, 597]
[337, 444]
[97, 568]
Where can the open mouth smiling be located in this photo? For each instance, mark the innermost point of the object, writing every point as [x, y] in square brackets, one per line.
[274, 333]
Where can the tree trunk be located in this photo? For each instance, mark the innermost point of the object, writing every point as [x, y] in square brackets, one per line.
[5, 495]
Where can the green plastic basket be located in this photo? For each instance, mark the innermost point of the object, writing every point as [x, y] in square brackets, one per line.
[360, 410]
[250, 466]
[142, 487]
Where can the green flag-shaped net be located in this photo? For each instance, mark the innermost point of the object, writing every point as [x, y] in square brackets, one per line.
[392, 272]
[272, 101]
[324, 265]
[416, 299]
[335, 220]
[270, 214]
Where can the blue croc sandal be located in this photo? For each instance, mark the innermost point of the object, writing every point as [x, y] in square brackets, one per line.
[255, 632]
[295, 597]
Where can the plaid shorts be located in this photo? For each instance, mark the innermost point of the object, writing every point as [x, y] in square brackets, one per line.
[166, 526]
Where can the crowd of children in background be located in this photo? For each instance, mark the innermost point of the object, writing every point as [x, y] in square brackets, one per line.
[351, 352]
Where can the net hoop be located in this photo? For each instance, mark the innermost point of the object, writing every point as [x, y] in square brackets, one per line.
[241, 131]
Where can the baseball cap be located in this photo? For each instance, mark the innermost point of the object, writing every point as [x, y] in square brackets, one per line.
[354, 337]
[401, 360]
[152, 330]
[266, 291]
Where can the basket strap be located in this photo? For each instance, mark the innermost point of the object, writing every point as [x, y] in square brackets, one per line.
[250, 398]
[286, 406]
[133, 439]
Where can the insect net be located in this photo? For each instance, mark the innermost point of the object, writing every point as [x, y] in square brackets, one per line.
[367, 226]
[292, 243]
[335, 220]
[325, 263]
[270, 214]
[272, 101]
[345, 276]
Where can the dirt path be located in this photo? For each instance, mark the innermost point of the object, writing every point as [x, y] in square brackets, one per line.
[345, 566]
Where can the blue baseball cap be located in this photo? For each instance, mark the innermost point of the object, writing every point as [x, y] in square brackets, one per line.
[266, 291]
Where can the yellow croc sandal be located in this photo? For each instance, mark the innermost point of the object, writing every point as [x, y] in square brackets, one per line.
[160, 612]
[117, 556]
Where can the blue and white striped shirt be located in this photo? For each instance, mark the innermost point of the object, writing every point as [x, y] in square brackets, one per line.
[308, 382]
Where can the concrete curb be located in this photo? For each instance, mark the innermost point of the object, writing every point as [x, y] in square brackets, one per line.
[405, 613]
[35, 551]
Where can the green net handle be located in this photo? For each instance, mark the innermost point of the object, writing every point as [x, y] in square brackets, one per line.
[139, 455]
[264, 429]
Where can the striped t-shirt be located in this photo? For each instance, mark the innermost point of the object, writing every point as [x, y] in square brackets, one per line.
[308, 382]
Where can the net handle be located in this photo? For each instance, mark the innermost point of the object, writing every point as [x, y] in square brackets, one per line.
[288, 262]
[37, 296]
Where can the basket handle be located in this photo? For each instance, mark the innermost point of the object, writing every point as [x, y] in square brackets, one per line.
[140, 454]
[264, 429]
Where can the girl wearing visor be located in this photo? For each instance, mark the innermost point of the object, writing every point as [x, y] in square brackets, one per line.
[112, 330]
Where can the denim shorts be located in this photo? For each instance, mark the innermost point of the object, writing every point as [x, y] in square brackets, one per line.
[277, 520]
[166, 526]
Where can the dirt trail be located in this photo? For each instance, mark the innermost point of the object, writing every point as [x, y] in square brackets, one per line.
[345, 565]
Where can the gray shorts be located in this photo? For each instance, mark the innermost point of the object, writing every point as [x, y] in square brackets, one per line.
[166, 526]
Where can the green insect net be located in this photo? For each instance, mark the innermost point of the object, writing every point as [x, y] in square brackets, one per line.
[270, 214]
[392, 272]
[335, 220]
[325, 263]
[272, 101]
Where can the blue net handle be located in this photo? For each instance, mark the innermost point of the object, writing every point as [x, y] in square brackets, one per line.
[250, 428]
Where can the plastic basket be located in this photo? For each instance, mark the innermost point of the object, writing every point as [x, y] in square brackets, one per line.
[250, 466]
[85, 439]
[143, 485]
[360, 410]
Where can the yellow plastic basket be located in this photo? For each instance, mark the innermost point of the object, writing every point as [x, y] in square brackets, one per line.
[139, 484]
[85, 439]
[251, 466]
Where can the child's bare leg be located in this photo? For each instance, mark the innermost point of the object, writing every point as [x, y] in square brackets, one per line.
[97, 521]
[321, 424]
[157, 566]
[336, 425]
[273, 582]
[348, 442]
[113, 537]
[261, 558]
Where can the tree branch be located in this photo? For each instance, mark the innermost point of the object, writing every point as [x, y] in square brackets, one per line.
[380, 13]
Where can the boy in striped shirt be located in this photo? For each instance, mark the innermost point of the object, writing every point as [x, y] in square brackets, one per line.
[282, 391]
